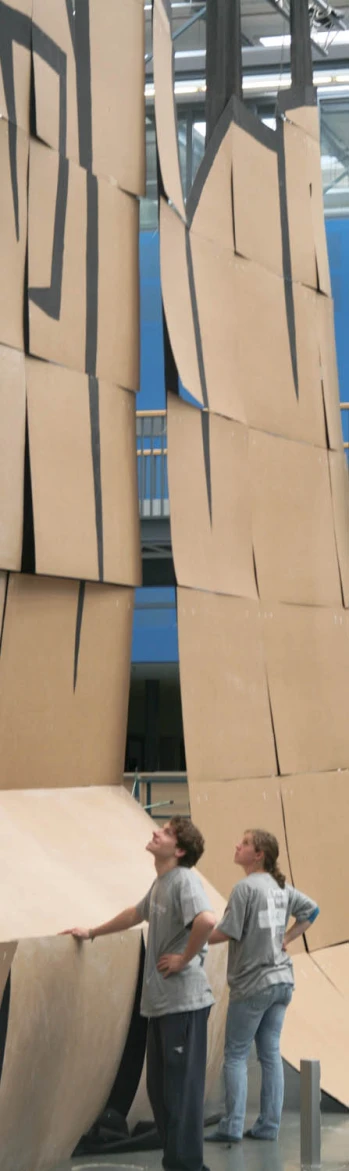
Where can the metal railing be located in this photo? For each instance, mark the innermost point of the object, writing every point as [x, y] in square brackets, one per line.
[152, 464]
[152, 461]
[161, 794]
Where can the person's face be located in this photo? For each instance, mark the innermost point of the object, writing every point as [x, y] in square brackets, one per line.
[163, 844]
[246, 853]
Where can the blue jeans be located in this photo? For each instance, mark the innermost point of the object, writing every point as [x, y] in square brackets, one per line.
[259, 1018]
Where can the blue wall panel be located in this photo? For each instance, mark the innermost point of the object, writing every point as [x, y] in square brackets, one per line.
[155, 637]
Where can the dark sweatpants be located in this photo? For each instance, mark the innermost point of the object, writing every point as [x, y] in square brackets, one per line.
[176, 1067]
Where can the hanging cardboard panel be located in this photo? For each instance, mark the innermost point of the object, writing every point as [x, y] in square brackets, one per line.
[306, 117]
[118, 286]
[223, 811]
[177, 299]
[299, 206]
[117, 36]
[292, 520]
[323, 797]
[51, 1091]
[307, 652]
[211, 209]
[13, 235]
[210, 552]
[12, 445]
[16, 31]
[217, 295]
[165, 108]
[257, 223]
[340, 502]
[317, 214]
[329, 373]
[55, 80]
[334, 962]
[226, 714]
[66, 858]
[300, 224]
[316, 1027]
[264, 370]
[57, 258]
[64, 674]
[84, 476]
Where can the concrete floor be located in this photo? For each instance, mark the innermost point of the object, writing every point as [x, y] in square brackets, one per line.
[247, 1156]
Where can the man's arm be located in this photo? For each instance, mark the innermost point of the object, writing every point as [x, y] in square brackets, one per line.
[294, 931]
[128, 918]
[202, 925]
[218, 936]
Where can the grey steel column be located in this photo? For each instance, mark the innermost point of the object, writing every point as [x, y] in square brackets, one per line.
[310, 1114]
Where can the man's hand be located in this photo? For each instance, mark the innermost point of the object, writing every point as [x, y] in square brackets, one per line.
[77, 932]
[169, 964]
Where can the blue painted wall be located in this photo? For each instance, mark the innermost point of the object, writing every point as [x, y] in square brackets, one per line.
[155, 624]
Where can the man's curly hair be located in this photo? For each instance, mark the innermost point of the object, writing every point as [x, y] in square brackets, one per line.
[188, 838]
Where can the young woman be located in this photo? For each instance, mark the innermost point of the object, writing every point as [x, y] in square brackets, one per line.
[260, 978]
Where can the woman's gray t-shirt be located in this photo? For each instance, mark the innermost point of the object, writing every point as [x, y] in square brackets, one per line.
[255, 921]
[170, 906]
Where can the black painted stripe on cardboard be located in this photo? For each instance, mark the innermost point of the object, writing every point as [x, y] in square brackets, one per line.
[286, 254]
[223, 59]
[28, 538]
[71, 21]
[205, 431]
[96, 463]
[56, 59]
[296, 97]
[15, 28]
[235, 112]
[91, 274]
[301, 56]
[83, 81]
[4, 1019]
[201, 365]
[3, 616]
[79, 617]
[49, 299]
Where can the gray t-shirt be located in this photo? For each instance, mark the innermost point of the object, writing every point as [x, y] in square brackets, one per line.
[170, 906]
[255, 920]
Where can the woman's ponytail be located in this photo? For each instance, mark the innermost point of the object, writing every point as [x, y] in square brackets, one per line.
[269, 846]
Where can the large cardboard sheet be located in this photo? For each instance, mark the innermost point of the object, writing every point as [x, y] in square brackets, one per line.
[57, 243]
[84, 476]
[118, 286]
[309, 261]
[263, 371]
[307, 653]
[340, 502]
[319, 863]
[67, 1002]
[212, 552]
[292, 522]
[316, 1027]
[165, 109]
[213, 213]
[13, 235]
[117, 82]
[306, 117]
[15, 106]
[223, 811]
[12, 445]
[64, 673]
[226, 714]
[334, 962]
[257, 223]
[52, 20]
[329, 373]
[177, 299]
[217, 294]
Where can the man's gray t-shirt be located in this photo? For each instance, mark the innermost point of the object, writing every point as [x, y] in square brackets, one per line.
[170, 906]
[255, 920]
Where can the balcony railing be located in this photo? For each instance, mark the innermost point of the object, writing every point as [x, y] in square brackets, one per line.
[152, 464]
[152, 461]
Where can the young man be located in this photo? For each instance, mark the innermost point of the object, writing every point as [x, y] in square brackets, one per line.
[176, 995]
[260, 978]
